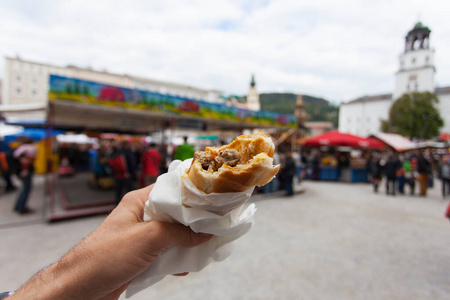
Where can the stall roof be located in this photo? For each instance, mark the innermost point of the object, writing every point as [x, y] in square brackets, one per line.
[396, 141]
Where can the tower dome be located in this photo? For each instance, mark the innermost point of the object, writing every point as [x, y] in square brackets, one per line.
[418, 38]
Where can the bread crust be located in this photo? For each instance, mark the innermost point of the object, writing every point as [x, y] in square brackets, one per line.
[256, 167]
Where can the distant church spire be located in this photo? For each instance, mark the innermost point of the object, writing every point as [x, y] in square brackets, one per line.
[253, 96]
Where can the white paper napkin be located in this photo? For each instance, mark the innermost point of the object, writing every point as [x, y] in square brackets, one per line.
[175, 199]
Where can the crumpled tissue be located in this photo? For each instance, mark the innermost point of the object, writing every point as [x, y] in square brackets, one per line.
[175, 199]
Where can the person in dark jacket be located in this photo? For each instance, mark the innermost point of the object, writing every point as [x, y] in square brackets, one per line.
[375, 172]
[390, 171]
[288, 169]
[423, 168]
[121, 163]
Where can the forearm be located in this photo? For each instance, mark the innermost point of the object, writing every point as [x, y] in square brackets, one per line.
[69, 278]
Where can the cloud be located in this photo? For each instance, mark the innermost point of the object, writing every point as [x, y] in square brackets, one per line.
[338, 50]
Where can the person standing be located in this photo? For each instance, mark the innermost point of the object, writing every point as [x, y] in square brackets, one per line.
[120, 165]
[288, 169]
[272, 186]
[409, 165]
[151, 161]
[390, 171]
[375, 172]
[401, 178]
[423, 168]
[184, 151]
[26, 155]
[444, 172]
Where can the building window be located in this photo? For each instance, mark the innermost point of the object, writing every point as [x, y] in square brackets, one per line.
[18, 78]
[34, 92]
[18, 91]
[413, 60]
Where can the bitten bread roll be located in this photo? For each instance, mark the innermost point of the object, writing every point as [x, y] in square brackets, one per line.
[245, 163]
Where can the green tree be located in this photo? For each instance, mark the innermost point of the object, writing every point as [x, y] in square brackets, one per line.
[414, 115]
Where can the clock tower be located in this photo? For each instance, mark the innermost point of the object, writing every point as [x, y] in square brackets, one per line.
[416, 73]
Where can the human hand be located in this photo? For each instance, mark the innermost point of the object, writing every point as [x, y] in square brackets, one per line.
[121, 248]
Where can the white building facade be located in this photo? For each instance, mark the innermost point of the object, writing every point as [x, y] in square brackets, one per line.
[363, 116]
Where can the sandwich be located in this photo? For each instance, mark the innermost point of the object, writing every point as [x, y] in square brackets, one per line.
[244, 163]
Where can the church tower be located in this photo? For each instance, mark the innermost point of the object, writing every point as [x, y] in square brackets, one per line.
[416, 73]
[253, 96]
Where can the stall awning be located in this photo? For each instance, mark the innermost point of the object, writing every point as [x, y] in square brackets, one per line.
[396, 141]
[335, 138]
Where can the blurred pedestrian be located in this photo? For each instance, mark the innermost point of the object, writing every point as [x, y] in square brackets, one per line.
[315, 166]
[184, 151]
[288, 169]
[151, 161]
[444, 173]
[131, 159]
[409, 165]
[26, 155]
[272, 186]
[401, 178]
[120, 165]
[423, 168]
[163, 151]
[375, 172]
[390, 171]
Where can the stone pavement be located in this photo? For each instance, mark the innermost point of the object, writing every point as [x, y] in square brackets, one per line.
[334, 241]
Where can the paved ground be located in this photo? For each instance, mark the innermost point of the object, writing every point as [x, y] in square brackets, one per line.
[334, 241]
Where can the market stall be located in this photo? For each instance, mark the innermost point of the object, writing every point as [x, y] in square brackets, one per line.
[86, 106]
[337, 163]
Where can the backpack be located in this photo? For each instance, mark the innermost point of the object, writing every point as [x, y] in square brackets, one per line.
[118, 165]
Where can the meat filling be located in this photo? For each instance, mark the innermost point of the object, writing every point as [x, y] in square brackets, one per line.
[228, 157]
[205, 159]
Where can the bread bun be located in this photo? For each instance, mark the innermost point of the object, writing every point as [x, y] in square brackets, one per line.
[245, 163]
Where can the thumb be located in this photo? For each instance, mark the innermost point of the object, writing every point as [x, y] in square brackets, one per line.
[176, 235]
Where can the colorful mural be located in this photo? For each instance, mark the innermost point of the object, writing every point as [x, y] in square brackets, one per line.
[64, 88]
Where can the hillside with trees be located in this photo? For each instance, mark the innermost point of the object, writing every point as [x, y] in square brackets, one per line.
[318, 109]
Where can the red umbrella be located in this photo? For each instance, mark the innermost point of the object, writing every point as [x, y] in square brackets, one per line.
[335, 138]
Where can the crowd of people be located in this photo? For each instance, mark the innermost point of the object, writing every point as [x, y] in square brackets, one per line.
[115, 164]
[124, 166]
[409, 169]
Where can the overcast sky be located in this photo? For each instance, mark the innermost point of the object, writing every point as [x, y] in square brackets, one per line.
[338, 50]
